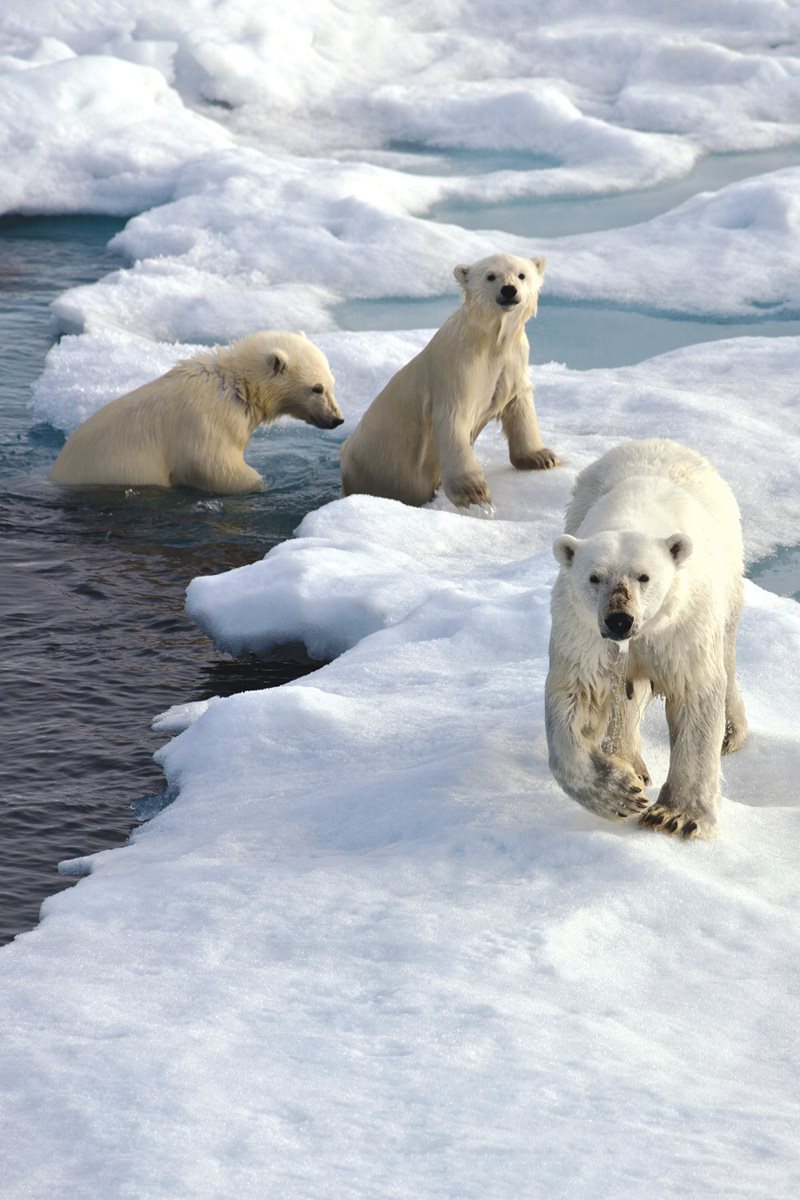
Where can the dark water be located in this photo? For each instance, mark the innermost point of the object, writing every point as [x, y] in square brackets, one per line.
[95, 640]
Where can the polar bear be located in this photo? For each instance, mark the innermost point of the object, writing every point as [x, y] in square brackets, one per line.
[191, 426]
[420, 430]
[647, 600]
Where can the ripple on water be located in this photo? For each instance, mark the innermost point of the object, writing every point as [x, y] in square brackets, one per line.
[96, 642]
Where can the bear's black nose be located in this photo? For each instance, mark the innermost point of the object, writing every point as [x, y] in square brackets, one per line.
[619, 625]
[508, 291]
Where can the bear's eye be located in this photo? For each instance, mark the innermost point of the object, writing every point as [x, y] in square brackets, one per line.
[491, 278]
[522, 275]
[644, 579]
[594, 579]
[318, 388]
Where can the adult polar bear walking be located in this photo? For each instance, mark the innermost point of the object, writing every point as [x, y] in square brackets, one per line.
[421, 428]
[651, 563]
[191, 425]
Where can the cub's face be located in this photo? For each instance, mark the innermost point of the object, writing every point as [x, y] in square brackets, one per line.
[625, 580]
[307, 389]
[502, 283]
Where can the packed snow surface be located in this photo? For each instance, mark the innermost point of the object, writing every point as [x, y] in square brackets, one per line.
[370, 950]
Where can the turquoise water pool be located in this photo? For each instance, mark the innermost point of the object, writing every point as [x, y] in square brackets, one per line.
[565, 215]
[581, 336]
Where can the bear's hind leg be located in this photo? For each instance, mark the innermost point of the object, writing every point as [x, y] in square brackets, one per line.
[735, 719]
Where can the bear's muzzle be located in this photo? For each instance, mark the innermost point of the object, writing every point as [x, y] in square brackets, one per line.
[617, 625]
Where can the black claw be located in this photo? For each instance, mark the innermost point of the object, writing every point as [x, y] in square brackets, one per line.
[653, 818]
[672, 825]
[689, 828]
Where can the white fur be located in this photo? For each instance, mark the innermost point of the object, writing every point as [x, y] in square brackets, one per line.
[191, 426]
[651, 564]
[421, 428]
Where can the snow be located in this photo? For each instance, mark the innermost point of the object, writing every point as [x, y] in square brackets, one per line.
[370, 949]
[209, 263]
[94, 134]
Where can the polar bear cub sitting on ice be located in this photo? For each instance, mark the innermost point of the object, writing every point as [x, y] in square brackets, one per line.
[420, 430]
[191, 426]
[651, 564]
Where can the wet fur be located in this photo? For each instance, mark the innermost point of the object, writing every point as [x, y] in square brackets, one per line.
[192, 425]
[658, 498]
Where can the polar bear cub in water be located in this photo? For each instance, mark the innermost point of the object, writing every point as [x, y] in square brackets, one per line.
[191, 426]
[651, 563]
[421, 428]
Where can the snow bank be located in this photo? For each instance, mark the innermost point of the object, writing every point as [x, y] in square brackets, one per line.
[714, 76]
[94, 134]
[371, 919]
[252, 243]
[189, 111]
[371, 950]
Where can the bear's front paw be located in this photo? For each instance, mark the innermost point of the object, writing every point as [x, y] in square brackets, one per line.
[682, 823]
[535, 460]
[466, 490]
[617, 792]
[672, 816]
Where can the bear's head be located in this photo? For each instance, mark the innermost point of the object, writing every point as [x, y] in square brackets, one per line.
[624, 580]
[306, 387]
[502, 283]
[284, 374]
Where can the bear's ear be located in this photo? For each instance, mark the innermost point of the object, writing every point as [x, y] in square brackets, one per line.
[680, 547]
[461, 273]
[278, 361]
[564, 548]
[540, 264]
